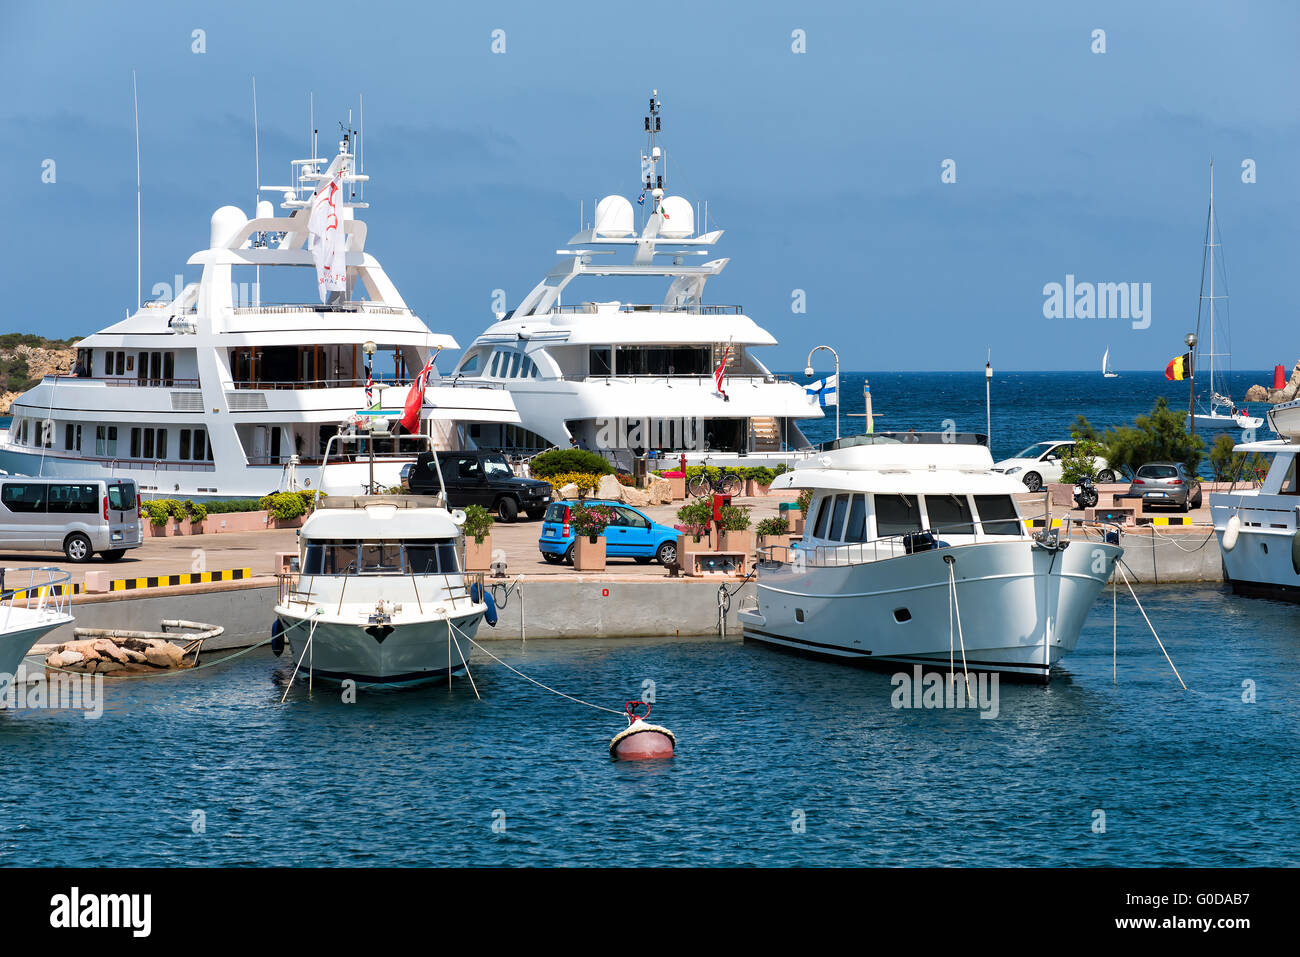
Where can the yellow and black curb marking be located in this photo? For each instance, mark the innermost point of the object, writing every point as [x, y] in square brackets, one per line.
[1165, 519]
[24, 593]
[166, 581]
[1041, 523]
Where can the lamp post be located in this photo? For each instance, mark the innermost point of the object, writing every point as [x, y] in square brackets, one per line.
[1190, 339]
[369, 348]
[809, 371]
[988, 401]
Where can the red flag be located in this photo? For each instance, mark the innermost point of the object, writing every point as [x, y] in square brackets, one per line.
[415, 398]
[721, 370]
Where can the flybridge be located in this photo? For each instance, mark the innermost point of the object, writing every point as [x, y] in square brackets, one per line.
[668, 232]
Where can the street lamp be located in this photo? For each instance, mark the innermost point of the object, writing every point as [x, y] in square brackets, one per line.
[809, 371]
[1190, 339]
[369, 348]
[988, 401]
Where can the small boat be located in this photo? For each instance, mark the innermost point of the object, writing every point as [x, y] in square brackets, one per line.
[1105, 366]
[380, 598]
[33, 602]
[640, 740]
[915, 553]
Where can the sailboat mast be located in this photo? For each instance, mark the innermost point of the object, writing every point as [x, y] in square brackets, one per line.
[1210, 239]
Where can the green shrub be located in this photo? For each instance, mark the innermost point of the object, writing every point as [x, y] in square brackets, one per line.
[1080, 461]
[478, 523]
[804, 500]
[158, 510]
[1159, 436]
[696, 512]
[773, 526]
[233, 505]
[285, 506]
[195, 511]
[1232, 466]
[558, 461]
[735, 518]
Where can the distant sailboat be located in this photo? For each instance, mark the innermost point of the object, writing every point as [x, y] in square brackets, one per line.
[1223, 412]
[1105, 365]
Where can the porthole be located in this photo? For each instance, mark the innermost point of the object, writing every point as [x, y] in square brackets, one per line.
[798, 614]
[901, 615]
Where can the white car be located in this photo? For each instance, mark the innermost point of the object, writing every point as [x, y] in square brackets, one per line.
[1041, 464]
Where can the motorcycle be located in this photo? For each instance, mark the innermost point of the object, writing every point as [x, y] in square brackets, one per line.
[1085, 493]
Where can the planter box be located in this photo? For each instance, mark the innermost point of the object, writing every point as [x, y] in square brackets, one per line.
[589, 556]
[478, 555]
[753, 488]
[678, 486]
[738, 542]
[796, 522]
[777, 541]
[219, 522]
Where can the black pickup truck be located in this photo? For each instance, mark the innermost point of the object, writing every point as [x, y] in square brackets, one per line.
[478, 478]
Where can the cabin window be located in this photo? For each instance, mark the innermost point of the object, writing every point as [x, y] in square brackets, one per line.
[381, 558]
[1288, 486]
[998, 515]
[823, 517]
[72, 437]
[856, 531]
[106, 441]
[330, 558]
[897, 515]
[949, 514]
[837, 517]
[471, 363]
[600, 361]
[431, 557]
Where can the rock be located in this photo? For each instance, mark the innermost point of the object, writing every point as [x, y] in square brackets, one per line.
[635, 496]
[569, 491]
[134, 657]
[1257, 393]
[164, 655]
[103, 667]
[660, 491]
[608, 488]
[107, 649]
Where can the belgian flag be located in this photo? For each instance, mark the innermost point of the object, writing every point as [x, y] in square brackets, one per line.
[1180, 368]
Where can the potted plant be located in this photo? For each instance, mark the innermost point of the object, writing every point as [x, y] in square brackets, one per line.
[695, 521]
[773, 532]
[804, 500]
[196, 512]
[589, 523]
[478, 538]
[758, 480]
[736, 534]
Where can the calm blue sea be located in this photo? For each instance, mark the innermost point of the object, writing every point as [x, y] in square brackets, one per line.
[766, 741]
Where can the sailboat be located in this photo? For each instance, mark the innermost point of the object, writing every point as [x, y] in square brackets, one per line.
[1223, 412]
[1105, 365]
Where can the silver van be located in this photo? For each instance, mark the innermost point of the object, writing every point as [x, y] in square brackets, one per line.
[75, 516]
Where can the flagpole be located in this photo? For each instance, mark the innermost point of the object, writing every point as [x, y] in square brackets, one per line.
[808, 371]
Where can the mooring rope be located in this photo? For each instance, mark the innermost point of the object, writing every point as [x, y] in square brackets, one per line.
[1153, 630]
[526, 678]
[724, 600]
[310, 635]
[952, 594]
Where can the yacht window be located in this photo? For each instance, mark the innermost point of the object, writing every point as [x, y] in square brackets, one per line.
[200, 443]
[897, 515]
[600, 362]
[185, 443]
[330, 558]
[998, 515]
[949, 514]
[837, 517]
[381, 558]
[856, 531]
[471, 363]
[431, 557]
[823, 517]
[511, 362]
[1288, 486]
[148, 442]
[106, 441]
[161, 451]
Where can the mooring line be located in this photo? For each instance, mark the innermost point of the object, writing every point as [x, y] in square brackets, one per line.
[310, 635]
[533, 680]
[1153, 630]
[952, 591]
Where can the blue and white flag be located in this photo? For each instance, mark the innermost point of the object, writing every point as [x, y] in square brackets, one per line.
[825, 391]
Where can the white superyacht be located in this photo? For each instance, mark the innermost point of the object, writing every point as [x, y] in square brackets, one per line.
[681, 375]
[914, 552]
[215, 393]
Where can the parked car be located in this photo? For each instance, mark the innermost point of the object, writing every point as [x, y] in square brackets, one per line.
[1166, 483]
[631, 535]
[78, 517]
[478, 478]
[1041, 464]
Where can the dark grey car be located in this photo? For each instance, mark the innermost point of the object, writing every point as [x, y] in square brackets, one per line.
[1166, 483]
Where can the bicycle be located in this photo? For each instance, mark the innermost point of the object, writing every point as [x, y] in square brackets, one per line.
[727, 483]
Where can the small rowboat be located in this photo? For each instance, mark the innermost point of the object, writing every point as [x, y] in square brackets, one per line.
[641, 741]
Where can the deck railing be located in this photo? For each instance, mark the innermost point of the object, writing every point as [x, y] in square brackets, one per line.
[44, 590]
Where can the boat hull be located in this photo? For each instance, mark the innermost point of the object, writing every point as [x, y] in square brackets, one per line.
[23, 629]
[1264, 562]
[391, 654]
[1021, 605]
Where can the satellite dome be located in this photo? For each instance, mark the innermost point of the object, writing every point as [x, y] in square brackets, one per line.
[614, 217]
[679, 218]
[226, 222]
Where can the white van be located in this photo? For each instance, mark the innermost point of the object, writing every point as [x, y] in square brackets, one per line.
[75, 516]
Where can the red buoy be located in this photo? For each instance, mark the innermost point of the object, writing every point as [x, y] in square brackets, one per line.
[641, 741]
[1279, 377]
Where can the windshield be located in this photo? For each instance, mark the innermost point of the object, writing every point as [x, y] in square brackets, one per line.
[495, 466]
[1034, 451]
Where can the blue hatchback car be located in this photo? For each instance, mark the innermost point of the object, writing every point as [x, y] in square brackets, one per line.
[631, 535]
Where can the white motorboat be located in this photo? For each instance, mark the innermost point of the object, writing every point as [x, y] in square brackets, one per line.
[380, 598]
[1218, 410]
[211, 392]
[681, 376]
[33, 602]
[1259, 528]
[914, 552]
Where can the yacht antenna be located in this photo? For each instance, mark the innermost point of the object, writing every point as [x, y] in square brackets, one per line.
[652, 179]
[135, 101]
[360, 191]
[257, 194]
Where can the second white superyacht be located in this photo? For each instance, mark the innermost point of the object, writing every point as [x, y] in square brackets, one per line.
[214, 393]
[622, 378]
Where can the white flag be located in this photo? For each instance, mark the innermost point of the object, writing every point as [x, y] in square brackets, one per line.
[325, 233]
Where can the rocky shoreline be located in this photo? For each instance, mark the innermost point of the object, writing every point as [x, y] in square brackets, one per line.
[1260, 393]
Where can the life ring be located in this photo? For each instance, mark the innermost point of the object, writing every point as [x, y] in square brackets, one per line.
[477, 594]
[277, 637]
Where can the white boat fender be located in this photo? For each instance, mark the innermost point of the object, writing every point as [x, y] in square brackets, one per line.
[478, 593]
[277, 637]
[1231, 532]
[640, 740]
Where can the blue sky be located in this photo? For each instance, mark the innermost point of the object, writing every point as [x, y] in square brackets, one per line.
[824, 167]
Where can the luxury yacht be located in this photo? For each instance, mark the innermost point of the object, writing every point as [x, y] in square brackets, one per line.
[618, 377]
[214, 393]
[915, 553]
[1259, 528]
